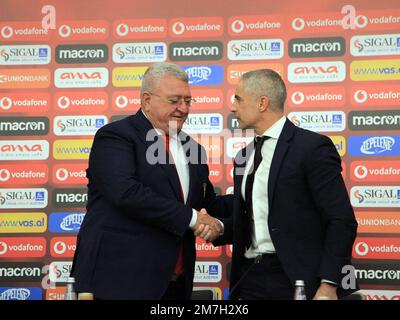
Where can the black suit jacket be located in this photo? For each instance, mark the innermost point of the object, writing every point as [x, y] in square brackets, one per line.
[135, 224]
[311, 221]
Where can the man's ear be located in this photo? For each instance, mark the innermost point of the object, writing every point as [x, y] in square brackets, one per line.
[263, 104]
[145, 99]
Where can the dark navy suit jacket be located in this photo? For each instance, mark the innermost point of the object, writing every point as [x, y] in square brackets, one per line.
[311, 220]
[135, 224]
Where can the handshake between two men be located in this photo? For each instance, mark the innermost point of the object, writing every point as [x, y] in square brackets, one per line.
[207, 227]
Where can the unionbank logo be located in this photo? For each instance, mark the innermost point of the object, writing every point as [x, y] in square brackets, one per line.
[383, 274]
[72, 149]
[255, 25]
[83, 30]
[196, 27]
[204, 75]
[195, 51]
[375, 45]
[378, 222]
[140, 29]
[340, 144]
[24, 102]
[24, 150]
[63, 247]
[375, 196]
[207, 271]
[260, 49]
[139, 52]
[374, 120]
[18, 222]
[59, 271]
[80, 102]
[203, 123]
[29, 126]
[126, 100]
[14, 174]
[23, 31]
[23, 198]
[376, 95]
[65, 222]
[20, 293]
[319, 121]
[375, 171]
[25, 55]
[207, 250]
[78, 125]
[22, 247]
[376, 248]
[76, 197]
[20, 272]
[81, 77]
[374, 145]
[70, 173]
[128, 76]
[323, 71]
[82, 53]
[317, 47]
[305, 97]
[235, 71]
[24, 78]
[369, 70]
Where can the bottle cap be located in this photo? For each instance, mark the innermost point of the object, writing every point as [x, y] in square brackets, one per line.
[85, 296]
[299, 283]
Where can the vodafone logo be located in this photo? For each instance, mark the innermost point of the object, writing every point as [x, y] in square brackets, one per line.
[7, 32]
[4, 175]
[63, 102]
[62, 174]
[60, 247]
[122, 29]
[178, 28]
[360, 96]
[297, 97]
[361, 248]
[5, 103]
[64, 31]
[360, 172]
[361, 21]
[237, 26]
[3, 248]
[121, 101]
[298, 24]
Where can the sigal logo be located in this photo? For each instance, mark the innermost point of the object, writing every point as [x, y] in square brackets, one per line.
[81, 77]
[305, 97]
[195, 51]
[23, 31]
[37, 102]
[83, 30]
[376, 248]
[375, 45]
[375, 196]
[140, 29]
[319, 121]
[70, 173]
[23, 198]
[25, 55]
[60, 271]
[375, 171]
[65, 222]
[260, 49]
[255, 25]
[203, 123]
[317, 47]
[22, 247]
[207, 271]
[196, 27]
[78, 125]
[139, 52]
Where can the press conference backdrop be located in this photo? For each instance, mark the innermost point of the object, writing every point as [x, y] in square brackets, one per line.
[58, 86]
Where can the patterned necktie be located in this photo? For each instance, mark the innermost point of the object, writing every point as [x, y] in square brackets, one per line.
[249, 225]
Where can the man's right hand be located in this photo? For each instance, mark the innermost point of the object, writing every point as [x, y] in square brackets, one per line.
[207, 227]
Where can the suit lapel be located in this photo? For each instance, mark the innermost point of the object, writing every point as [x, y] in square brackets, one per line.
[143, 126]
[278, 157]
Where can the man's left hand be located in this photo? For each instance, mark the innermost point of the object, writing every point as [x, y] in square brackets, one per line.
[326, 292]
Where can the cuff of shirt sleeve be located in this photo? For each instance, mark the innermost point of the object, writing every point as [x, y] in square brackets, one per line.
[329, 282]
[193, 220]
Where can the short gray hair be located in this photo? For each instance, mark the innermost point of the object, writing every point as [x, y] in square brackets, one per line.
[157, 71]
[266, 82]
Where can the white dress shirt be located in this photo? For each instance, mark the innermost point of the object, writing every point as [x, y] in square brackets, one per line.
[262, 242]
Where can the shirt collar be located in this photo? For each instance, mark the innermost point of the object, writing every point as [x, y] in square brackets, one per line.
[158, 131]
[276, 129]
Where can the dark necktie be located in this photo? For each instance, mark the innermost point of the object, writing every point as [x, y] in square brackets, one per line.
[179, 264]
[249, 227]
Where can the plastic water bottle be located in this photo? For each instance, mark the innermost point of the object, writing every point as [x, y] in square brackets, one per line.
[70, 294]
[300, 291]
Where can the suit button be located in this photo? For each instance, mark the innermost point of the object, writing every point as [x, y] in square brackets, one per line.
[274, 229]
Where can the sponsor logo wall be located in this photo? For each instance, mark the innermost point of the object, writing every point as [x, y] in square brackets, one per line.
[59, 86]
